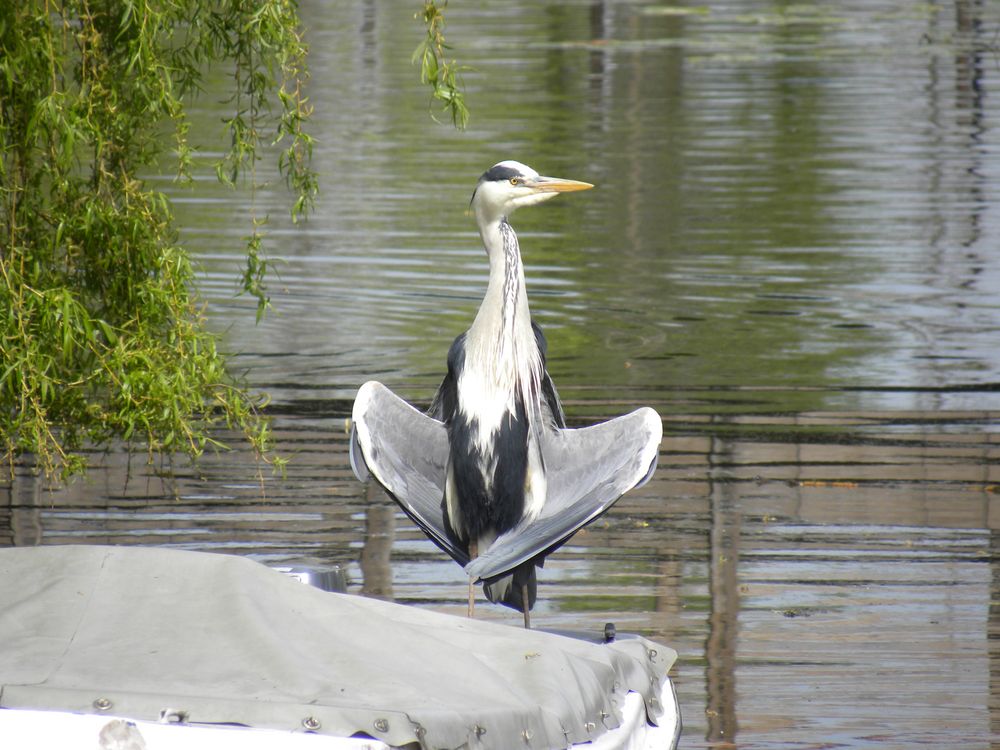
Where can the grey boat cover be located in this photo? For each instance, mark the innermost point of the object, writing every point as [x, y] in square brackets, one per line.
[225, 640]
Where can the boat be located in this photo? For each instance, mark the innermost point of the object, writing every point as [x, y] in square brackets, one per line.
[125, 648]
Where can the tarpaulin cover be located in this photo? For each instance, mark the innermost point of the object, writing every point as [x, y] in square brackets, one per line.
[220, 639]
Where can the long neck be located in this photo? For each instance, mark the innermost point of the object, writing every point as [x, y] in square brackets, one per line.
[505, 306]
[503, 323]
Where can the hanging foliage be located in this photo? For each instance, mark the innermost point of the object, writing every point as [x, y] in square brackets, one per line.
[436, 70]
[100, 335]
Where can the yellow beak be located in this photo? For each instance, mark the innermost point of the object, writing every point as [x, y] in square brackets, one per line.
[557, 185]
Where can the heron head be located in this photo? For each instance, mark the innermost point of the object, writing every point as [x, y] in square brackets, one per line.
[510, 185]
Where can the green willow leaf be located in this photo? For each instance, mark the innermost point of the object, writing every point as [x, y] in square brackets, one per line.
[102, 335]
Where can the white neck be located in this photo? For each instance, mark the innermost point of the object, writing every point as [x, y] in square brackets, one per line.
[501, 335]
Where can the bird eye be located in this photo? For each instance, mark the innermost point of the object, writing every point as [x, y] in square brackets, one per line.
[515, 181]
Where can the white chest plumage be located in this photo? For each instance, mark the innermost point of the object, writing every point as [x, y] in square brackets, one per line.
[502, 372]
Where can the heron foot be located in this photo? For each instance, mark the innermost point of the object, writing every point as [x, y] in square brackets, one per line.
[527, 609]
[473, 554]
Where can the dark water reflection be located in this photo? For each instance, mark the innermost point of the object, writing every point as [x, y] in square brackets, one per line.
[827, 578]
[791, 253]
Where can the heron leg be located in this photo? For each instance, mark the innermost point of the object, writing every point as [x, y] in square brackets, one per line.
[473, 553]
[527, 609]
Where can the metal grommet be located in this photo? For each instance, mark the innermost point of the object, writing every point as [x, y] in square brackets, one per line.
[381, 725]
[173, 716]
[103, 704]
[311, 723]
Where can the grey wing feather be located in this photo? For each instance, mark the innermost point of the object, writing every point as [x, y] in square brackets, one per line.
[358, 465]
[436, 409]
[587, 470]
[407, 452]
[550, 397]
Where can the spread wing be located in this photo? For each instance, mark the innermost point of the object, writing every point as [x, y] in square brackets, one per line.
[587, 470]
[407, 452]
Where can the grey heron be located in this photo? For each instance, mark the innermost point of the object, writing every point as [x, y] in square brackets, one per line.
[491, 473]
